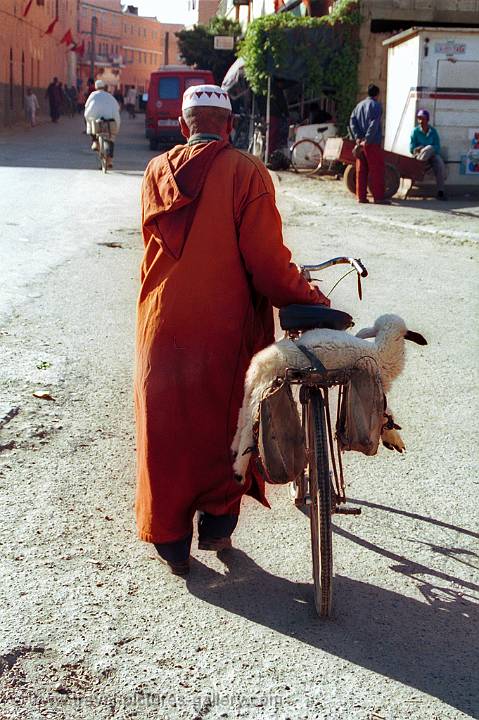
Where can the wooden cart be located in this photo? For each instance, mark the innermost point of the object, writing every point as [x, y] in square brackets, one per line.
[398, 167]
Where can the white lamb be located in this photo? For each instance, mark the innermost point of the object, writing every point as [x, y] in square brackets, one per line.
[336, 349]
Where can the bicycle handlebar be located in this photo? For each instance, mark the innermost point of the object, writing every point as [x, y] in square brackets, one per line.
[354, 262]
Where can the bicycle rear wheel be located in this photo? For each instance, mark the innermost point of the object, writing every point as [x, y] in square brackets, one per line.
[306, 156]
[102, 154]
[320, 508]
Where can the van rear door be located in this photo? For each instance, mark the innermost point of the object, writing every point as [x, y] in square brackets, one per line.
[169, 105]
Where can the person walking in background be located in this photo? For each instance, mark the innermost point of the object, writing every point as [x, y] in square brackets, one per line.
[425, 145]
[130, 101]
[118, 95]
[365, 124]
[31, 107]
[54, 96]
[72, 95]
[90, 87]
[63, 99]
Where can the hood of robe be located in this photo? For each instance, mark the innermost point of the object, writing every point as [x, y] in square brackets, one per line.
[172, 184]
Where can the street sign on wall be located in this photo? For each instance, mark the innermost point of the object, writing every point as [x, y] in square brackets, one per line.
[224, 42]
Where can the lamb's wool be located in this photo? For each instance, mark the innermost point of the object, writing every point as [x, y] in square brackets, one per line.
[336, 349]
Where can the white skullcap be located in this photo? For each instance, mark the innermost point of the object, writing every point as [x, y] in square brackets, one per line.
[99, 84]
[206, 96]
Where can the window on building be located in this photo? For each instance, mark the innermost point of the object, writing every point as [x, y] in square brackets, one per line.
[169, 88]
[41, 2]
[32, 80]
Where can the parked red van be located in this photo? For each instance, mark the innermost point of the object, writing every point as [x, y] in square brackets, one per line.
[163, 107]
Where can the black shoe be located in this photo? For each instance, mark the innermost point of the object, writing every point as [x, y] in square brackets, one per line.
[177, 568]
[215, 544]
[382, 202]
[364, 201]
[441, 195]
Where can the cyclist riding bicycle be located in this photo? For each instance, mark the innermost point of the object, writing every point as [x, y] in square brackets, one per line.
[102, 106]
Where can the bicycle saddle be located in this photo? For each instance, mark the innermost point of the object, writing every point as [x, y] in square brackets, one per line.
[307, 317]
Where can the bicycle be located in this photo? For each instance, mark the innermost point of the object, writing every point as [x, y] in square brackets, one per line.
[317, 488]
[103, 131]
[307, 154]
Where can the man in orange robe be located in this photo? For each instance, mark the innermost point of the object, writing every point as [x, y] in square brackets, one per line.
[214, 265]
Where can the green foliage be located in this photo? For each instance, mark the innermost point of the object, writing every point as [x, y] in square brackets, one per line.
[197, 46]
[328, 65]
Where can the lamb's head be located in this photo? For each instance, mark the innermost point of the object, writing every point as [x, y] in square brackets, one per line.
[389, 333]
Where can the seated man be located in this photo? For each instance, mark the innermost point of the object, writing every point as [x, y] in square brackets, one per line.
[425, 145]
[101, 104]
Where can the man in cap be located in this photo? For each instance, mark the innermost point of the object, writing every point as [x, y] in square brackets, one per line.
[425, 145]
[214, 265]
[365, 124]
[101, 104]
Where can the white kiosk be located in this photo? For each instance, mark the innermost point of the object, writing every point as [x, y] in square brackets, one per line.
[436, 69]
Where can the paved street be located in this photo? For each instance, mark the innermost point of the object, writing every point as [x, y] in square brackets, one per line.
[93, 626]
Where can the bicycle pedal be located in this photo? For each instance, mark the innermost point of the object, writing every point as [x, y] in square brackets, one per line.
[341, 510]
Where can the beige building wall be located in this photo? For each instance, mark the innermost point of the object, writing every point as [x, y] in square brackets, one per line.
[200, 12]
[173, 49]
[28, 58]
[128, 47]
[383, 18]
[142, 50]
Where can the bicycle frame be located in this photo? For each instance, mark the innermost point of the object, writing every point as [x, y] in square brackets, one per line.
[310, 378]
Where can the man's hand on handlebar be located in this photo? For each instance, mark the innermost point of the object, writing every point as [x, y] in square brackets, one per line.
[322, 299]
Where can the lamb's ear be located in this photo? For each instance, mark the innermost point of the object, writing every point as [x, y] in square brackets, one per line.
[415, 337]
[365, 333]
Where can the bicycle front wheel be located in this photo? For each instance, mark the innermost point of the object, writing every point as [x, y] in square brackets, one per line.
[306, 156]
[320, 507]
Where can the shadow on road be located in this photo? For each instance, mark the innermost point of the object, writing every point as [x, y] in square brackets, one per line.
[427, 645]
[458, 204]
[414, 516]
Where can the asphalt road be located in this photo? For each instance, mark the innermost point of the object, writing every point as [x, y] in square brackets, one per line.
[92, 625]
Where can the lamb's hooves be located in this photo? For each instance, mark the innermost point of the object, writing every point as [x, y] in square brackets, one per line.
[392, 440]
[393, 447]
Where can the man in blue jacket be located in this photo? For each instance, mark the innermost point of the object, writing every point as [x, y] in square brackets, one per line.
[425, 145]
[365, 124]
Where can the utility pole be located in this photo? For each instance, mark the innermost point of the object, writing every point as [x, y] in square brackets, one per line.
[166, 52]
[93, 53]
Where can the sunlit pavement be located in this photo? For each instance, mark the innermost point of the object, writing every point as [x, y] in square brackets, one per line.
[55, 201]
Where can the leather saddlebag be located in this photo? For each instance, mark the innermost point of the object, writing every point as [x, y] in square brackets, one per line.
[280, 436]
[362, 411]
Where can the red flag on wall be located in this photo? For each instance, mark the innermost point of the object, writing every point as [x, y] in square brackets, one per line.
[27, 8]
[49, 29]
[80, 49]
[67, 38]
